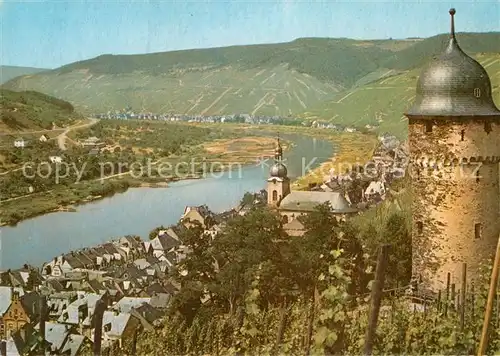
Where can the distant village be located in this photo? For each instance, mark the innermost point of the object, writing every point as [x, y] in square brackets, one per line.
[54, 308]
[234, 118]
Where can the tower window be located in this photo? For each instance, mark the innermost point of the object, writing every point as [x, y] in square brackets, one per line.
[478, 176]
[275, 195]
[477, 231]
[462, 135]
[428, 127]
[420, 227]
[477, 92]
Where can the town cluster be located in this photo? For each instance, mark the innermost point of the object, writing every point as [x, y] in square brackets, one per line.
[233, 118]
[52, 310]
[368, 184]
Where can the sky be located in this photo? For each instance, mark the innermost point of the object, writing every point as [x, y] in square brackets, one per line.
[48, 34]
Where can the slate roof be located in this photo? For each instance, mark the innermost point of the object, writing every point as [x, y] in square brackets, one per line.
[155, 288]
[125, 304]
[224, 216]
[160, 301]
[167, 242]
[54, 284]
[149, 313]
[152, 260]
[12, 347]
[132, 241]
[17, 345]
[306, 201]
[142, 263]
[73, 344]
[31, 304]
[87, 262]
[85, 300]
[73, 261]
[56, 334]
[110, 248]
[6, 297]
[96, 286]
[118, 322]
[295, 224]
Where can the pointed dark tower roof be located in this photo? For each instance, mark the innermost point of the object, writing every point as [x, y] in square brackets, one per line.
[278, 152]
[453, 84]
[278, 169]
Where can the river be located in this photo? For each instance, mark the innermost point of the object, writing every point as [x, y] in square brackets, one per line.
[140, 210]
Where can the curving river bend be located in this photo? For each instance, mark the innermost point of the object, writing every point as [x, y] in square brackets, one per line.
[139, 210]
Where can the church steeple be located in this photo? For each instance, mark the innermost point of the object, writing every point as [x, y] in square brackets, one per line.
[278, 185]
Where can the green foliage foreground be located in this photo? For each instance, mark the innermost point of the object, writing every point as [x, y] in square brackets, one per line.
[253, 290]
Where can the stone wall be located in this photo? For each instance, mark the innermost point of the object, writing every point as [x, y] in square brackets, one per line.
[456, 196]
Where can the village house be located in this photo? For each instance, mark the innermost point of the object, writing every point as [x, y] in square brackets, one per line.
[57, 303]
[79, 312]
[200, 214]
[44, 138]
[92, 142]
[375, 190]
[126, 304]
[118, 327]
[55, 159]
[23, 308]
[20, 143]
[166, 241]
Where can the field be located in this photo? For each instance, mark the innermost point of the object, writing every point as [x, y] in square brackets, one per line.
[383, 102]
[241, 150]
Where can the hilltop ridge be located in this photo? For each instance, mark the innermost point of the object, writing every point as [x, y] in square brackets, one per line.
[285, 79]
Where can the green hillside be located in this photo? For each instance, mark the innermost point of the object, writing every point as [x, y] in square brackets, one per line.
[29, 111]
[9, 72]
[383, 102]
[283, 79]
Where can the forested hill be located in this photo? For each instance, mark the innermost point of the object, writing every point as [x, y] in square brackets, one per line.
[9, 72]
[28, 111]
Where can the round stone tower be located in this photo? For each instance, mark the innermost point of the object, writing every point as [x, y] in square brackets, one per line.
[454, 139]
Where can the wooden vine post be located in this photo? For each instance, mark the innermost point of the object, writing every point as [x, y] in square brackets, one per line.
[483, 343]
[99, 310]
[376, 298]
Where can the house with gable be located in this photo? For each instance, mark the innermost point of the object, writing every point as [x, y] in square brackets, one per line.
[117, 328]
[79, 313]
[200, 214]
[165, 242]
[22, 309]
[57, 303]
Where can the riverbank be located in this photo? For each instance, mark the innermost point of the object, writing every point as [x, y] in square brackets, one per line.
[351, 149]
[219, 156]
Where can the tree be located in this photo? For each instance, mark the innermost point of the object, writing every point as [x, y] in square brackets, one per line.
[247, 199]
[397, 234]
[34, 279]
[154, 233]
